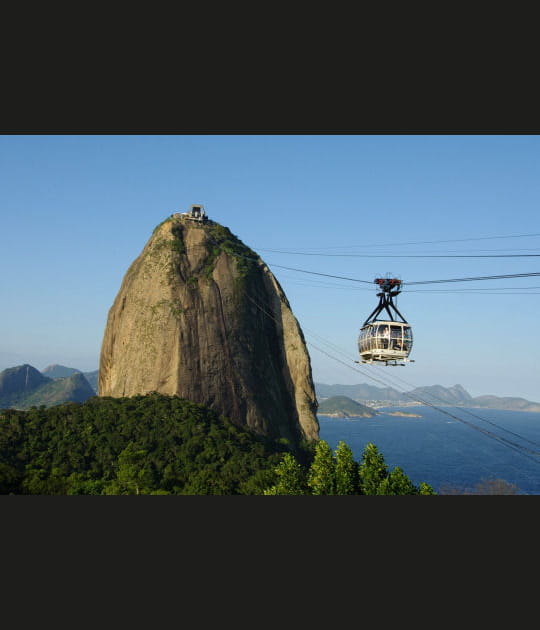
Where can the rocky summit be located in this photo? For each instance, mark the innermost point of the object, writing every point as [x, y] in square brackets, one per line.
[200, 315]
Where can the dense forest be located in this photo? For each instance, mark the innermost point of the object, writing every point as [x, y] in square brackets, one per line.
[158, 444]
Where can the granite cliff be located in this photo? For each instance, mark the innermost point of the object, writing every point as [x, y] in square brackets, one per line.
[199, 315]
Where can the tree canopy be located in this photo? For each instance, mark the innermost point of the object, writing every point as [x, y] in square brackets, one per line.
[158, 444]
[337, 473]
[137, 445]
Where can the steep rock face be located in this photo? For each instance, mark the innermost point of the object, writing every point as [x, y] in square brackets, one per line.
[200, 315]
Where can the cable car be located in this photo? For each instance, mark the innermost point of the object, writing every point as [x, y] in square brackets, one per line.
[387, 341]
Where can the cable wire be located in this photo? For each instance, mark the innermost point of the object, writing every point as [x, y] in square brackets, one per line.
[316, 273]
[473, 415]
[511, 275]
[508, 443]
[407, 255]
[451, 240]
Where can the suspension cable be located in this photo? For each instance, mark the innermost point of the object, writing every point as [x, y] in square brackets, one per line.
[316, 273]
[474, 415]
[452, 240]
[277, 251]
[508, 443]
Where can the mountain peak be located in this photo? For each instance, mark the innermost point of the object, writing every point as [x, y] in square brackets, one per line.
[23, 386]
[199, 315]
[58, 371]
[21, 378]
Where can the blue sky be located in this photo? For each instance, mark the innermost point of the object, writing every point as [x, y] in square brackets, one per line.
[76, 210]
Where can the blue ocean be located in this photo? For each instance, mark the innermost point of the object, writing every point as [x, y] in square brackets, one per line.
[448, 447]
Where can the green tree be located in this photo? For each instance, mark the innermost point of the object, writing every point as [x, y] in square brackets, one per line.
[290, 478]
[322, 472]
[425, 488]
[80, 484]
[372, 470]
[346, 471]
[395, 483]
[134, 475]
[10, 479]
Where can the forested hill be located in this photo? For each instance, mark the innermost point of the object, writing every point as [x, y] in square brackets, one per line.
[344, 407]
[154, 444]
[166, 445]
[359, 392]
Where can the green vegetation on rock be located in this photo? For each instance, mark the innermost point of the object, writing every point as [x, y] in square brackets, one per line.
[177, 243]
[219, 239]
[223, 240]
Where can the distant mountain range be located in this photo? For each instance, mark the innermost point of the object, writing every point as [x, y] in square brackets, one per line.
[23, 386]
[455, 396]
[61, 371]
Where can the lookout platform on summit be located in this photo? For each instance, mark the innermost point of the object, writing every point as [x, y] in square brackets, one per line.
[195, 213]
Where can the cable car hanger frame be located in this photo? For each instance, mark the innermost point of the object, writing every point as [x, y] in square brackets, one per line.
[390, 288]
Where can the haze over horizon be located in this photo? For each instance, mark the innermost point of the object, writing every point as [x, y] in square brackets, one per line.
[327, 213]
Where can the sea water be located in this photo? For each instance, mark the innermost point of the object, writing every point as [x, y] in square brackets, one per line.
[448, 447]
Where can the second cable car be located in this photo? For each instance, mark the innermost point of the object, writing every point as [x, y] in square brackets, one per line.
[387, 341]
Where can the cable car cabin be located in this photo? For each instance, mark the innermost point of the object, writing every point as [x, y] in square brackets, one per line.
[385, 341]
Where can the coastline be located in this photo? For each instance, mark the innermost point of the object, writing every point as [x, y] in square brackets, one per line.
[346, 416]
[404, 414]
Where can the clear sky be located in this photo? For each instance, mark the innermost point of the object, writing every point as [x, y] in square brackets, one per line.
[76, 210]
